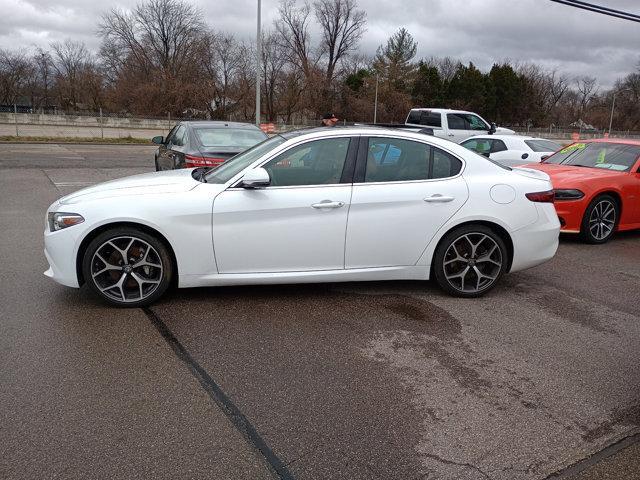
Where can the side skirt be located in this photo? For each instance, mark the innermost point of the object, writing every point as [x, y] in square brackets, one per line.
[414, 272]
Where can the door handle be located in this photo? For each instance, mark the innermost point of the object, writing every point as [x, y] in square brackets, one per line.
[450, 134]
[437, 198]
[327, 204]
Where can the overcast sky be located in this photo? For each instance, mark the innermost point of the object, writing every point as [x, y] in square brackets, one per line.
[575, 41]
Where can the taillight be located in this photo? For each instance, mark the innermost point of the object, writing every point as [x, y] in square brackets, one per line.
[194, 161]
[542, 197]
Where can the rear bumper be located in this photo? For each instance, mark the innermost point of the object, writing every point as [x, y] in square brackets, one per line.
[538, 242]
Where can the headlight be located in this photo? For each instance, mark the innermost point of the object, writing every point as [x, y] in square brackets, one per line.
[568, 194]
[60, 220]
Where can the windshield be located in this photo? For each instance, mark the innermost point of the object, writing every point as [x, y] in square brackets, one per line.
[228, 137]
[610, 156]
[540, 145]
[235, 165]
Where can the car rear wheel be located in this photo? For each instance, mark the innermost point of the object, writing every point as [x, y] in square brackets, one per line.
[127, 267]
[600, 219]
[469, 261]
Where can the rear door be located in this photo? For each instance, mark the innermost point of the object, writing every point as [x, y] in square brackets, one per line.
[403, 192]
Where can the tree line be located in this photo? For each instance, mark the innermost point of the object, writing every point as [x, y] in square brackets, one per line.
[161, 58]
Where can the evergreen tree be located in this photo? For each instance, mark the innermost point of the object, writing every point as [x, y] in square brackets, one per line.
[393, 62]
[427, 88]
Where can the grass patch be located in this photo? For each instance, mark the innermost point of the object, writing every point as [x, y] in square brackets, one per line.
[121, 140]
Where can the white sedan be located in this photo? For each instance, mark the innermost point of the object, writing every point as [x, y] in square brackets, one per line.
[322, 205]
[512, 150]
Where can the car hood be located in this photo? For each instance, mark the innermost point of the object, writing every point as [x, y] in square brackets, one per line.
[172, 181]
[567, 175]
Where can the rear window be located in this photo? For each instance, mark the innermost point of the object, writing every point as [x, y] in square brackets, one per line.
[543, 145]
[425, 117]
[228, 137]
[609, 156]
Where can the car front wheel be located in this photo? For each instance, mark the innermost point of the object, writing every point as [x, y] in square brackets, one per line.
[600, 219]
[127, 267]
[469, 261]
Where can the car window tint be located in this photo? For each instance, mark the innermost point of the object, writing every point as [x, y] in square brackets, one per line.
[498, 146]
[431, 119]
[543, 145]
[456, 121]
[318, 162]
[228, 137]
[478, 145]
[475, 122]
[444, 164]
[171, 135]
[180, 136]
[394, 160]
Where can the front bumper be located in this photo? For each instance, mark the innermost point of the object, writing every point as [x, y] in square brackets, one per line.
[60, 250]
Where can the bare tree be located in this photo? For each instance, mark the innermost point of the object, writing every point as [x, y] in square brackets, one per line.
[223, 57]
[70, 59]
[587, 89]
[293, 30]
[273, 64]
[15, 68]
[342, 25]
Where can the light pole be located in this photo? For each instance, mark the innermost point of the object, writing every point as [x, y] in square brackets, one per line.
[258, 66]
[613, 105]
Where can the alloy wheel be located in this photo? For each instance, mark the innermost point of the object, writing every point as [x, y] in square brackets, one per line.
[126, 269]
[472, 262]
[602, 219]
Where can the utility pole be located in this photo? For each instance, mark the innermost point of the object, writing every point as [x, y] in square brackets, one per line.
[375, 103]
[613, 105]
[258, 66]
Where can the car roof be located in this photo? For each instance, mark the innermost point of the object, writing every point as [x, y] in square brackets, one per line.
[219, 124]
[626, 141]
[442, 110]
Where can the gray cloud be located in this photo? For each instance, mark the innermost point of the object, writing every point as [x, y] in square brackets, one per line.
[482, 31]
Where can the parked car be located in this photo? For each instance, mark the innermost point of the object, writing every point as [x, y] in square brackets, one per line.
[204, 143]
[512, 150]
[597, 187]
[318, 205]
[454, 125]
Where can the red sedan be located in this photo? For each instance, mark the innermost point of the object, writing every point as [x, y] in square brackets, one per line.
[597, 187]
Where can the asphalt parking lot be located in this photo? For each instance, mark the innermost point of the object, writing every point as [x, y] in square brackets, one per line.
[369, 380]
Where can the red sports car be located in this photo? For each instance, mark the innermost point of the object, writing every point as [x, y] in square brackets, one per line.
[597, 187]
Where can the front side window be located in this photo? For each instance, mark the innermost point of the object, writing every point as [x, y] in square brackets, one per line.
[610, 156]
[475, 122]
[398, 160]
[319, 162]
[180, 136]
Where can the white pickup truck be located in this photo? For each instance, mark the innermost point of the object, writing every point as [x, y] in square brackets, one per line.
[454, 125]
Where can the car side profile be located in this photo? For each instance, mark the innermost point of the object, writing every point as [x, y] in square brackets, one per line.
[512, 150]
[204, 143]
[319, 205]
[597, 187]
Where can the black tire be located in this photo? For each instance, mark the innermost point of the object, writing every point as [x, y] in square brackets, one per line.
[597, 232]
[492, 265]
[139, 285]
[157, 166]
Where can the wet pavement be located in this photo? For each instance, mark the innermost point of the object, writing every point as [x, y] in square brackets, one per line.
[362, 380]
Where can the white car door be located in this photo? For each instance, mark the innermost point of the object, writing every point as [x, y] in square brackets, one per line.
[464, 125]
[403, 192]
[297, 223]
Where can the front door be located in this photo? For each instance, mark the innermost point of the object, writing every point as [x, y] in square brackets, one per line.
[408, 191]
[297, 223]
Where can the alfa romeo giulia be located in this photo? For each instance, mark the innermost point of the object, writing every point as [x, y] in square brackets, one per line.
[319, 205]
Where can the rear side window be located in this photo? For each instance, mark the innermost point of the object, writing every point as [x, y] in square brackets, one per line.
[456, 121]
[425, 117]
[398, 160]
[498, 146]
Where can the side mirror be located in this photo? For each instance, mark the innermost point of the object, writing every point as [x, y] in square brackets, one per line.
[492, 130]
[158, 140]
[255, 178]
[525, 156]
